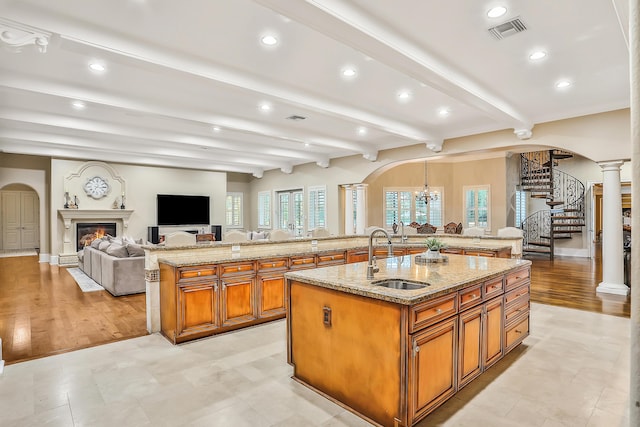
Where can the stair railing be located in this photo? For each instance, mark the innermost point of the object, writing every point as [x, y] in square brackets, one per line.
[564, 187]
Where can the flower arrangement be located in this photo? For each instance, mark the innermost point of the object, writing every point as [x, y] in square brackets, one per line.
[434, 244]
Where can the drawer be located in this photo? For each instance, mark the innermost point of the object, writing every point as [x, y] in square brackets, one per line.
[272, 264]
[516, 278]
[513, 295]
[304, 261]
[458, 251]
[492, 288]
[236, 268]
[517, 309]
[430, 312]
[201, 271]
[517, 333]
[469, 297]
[473, 252]
[332, 258]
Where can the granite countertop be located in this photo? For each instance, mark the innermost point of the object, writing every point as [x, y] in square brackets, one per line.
[443, 278]
[214, 253]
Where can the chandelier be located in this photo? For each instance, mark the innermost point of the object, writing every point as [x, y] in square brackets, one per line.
[425, 196]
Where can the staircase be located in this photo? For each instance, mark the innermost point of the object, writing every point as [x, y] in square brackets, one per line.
[564, 195]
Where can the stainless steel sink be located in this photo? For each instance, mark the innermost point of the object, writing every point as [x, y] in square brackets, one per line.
[399, 284]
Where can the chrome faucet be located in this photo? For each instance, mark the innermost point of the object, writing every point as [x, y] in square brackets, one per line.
[373, 266]
[404, 236]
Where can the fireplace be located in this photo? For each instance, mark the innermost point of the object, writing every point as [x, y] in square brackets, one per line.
[87, 232]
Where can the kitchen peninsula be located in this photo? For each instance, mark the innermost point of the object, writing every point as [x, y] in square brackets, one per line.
[393, 355]
[213, 287]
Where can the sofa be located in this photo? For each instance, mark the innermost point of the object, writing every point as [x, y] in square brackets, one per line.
[116, 265]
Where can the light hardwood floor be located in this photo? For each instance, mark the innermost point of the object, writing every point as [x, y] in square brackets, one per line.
[43, 312]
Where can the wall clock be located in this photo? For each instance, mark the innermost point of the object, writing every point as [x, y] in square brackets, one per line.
[97, 187]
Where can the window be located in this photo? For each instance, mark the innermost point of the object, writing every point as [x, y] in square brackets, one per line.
[477, 203]
[317, 207]
[264, 209]
[234, 210]
[401, 205]
[521, 207]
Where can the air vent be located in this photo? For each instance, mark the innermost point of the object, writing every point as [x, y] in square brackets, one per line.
[296, 117]
[507, 29]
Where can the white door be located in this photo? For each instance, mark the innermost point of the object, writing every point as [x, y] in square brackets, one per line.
[291, 211]
[20, 217]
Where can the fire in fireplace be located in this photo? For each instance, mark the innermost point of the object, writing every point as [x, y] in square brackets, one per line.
[87, 232]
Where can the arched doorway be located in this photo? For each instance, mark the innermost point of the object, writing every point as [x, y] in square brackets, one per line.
[20, 223]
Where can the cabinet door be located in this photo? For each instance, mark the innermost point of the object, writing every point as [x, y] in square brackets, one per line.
[271, 295]
[493, 333]
[237, 300]
[381, 253]
[470, 346]
[198, 308]
[432, 371]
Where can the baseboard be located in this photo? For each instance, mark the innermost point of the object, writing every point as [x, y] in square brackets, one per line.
[1, 360]
[574, 252]
[45, 258]
[53, 260]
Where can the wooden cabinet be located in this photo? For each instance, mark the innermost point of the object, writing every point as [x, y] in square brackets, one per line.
[381, 253]
[470, 345]
[455, 251]
[492, 331]
[270, 285]
[432, 378]
[188, 302]
[237, 300]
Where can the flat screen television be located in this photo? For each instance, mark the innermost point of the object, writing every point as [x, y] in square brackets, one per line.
[182, 210]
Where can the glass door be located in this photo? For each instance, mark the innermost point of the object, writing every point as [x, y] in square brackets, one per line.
[291, 211]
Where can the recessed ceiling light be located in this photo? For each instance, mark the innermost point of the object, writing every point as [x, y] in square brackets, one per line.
[496, 12]
[404, 95]
[96, 66]
[362, 131]
[443, 112]
[265, 107]
[349, 72]
[306, 145]
[216, 128]
[563, 84]
[78, 105]
[537, 55]
[269, 40]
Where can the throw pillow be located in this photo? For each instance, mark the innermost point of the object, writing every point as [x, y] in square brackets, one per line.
[134, 249]
[96, 243]
[104, 245]
[257, 235]
[128, 239]
[117, 251]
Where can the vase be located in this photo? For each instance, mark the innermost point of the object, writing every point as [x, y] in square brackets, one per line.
[432, 254]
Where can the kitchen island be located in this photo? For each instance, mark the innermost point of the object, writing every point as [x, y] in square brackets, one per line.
[394, 355]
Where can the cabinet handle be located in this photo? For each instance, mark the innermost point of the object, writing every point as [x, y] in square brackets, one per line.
[273, 265]
[518, 332]
[416, 349]
[474, 296]
[438, 310]
[199, 273]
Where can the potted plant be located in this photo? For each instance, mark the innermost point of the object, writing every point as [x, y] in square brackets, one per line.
[434, 245]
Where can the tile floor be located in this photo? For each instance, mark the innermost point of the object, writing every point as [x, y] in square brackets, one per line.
[572, 371]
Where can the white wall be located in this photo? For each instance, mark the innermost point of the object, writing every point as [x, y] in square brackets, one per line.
[143, 183]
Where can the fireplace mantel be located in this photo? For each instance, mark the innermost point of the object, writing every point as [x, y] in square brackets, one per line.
[71, 216]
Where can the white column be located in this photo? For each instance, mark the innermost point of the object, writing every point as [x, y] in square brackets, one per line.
[348, 209]
[361, 208]
[634, 347]
[612, 249]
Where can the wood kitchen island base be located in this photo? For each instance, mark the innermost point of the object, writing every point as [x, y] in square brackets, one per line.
[393, 356]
